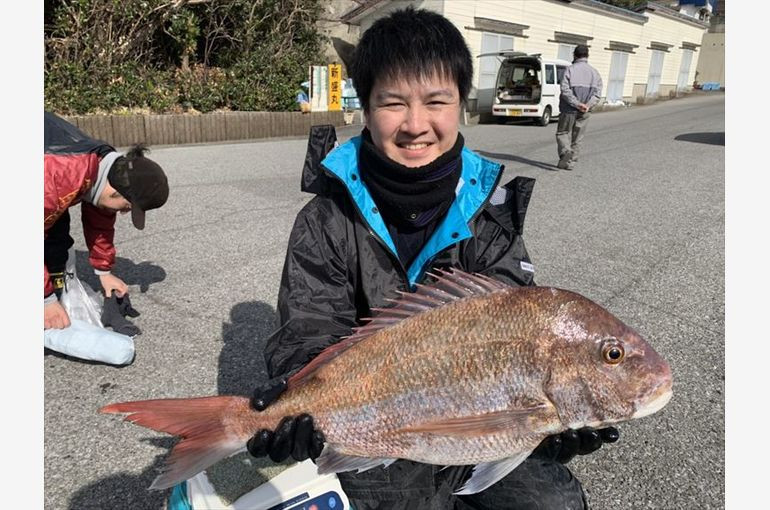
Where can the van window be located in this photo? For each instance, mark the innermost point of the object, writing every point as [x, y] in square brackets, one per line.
[560, 73]
[519, 80]
[550, 74]
[518, 74]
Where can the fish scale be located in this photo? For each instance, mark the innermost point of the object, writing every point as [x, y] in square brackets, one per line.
[466, 370]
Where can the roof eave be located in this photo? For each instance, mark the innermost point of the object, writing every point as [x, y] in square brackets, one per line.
[671, 14]
[354, 16]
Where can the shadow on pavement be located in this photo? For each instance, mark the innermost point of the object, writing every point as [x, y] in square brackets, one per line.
[242, 362]
[126, 491]
[519, 159]
[712, 138]
[142, 274]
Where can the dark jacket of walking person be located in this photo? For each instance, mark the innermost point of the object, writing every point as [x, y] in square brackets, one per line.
[402, 198]
[581, 88]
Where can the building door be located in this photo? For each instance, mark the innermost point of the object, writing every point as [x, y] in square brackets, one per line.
[488, 67]
[684, 70]
[656, 71]
[618, 66]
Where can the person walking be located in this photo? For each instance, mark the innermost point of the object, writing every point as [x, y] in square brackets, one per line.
[581, 88]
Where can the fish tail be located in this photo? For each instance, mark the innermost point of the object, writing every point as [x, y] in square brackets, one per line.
[200, 422]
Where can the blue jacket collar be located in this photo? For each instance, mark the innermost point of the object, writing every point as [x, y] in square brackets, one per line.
[477, 182]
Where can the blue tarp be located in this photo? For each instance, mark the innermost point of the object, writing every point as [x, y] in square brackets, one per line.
[699, 3]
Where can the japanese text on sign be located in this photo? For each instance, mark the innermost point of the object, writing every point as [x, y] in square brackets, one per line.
[335, 87]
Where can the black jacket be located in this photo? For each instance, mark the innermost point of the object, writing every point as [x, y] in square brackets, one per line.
[340, 261]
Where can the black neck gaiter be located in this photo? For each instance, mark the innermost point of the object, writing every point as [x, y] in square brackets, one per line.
[410, 197]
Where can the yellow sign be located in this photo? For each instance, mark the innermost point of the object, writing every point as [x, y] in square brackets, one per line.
[335, 87]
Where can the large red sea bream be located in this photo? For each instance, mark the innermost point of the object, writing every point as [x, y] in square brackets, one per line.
[466, 370]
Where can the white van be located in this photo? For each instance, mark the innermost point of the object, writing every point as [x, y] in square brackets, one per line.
[527, 86]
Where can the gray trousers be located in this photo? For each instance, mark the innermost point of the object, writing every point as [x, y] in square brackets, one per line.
[570, 132]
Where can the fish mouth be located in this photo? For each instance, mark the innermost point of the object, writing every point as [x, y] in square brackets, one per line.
[656, 403]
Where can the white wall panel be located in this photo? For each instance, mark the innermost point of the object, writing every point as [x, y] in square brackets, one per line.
[544, 17]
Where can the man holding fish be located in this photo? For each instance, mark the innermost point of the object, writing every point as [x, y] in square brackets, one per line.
[474, 387]
[404, 197]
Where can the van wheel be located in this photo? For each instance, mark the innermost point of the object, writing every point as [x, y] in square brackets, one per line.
[545, 118]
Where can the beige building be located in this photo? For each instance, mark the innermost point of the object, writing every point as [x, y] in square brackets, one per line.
[650, 52]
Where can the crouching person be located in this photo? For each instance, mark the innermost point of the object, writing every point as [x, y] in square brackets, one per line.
[81, 170]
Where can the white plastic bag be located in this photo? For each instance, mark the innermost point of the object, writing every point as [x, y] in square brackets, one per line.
[80, 301]
[86, 338]
[86, 341]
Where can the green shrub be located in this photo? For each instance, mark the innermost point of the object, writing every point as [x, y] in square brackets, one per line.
[201, 88]
[117, 55]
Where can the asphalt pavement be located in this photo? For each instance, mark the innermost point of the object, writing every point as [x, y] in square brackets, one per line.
[638, 227]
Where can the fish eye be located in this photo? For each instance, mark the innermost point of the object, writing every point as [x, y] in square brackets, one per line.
[612, 351]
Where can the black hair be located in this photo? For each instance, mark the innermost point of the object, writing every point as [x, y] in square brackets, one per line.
[117, 175]
[411, 44]
[137, 151]
[581, 51]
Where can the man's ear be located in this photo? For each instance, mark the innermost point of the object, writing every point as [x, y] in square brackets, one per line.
[106, 193]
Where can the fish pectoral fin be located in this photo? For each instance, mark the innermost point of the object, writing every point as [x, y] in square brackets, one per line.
[528, 418]
[487, 473]
[332, 461]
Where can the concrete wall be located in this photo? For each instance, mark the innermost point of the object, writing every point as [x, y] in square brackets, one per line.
[341, 36]
[171, 129]
[711, 63]
[386, 8]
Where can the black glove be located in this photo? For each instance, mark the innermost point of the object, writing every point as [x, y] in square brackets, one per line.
[268, 392]
[125, 308]
[113, 316]
[295, 435]
[565, 446]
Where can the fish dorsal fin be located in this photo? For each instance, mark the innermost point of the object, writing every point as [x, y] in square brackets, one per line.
[450, 285]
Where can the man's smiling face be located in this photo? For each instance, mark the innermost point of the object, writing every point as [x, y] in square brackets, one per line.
[414, 122]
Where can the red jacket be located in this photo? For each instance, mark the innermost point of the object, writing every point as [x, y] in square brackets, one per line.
[71, 163]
